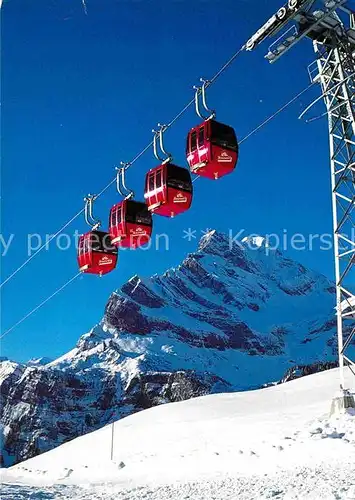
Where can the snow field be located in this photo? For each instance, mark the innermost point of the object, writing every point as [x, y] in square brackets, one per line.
[272, 443]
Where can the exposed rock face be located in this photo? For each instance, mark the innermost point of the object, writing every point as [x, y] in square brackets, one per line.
[231, 317]
[302, 370]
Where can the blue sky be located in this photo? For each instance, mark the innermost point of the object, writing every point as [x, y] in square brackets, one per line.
[82, 92]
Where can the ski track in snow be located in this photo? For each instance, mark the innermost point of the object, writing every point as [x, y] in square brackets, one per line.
[325, 482]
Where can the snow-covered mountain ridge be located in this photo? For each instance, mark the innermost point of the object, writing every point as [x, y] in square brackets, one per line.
[232, 316]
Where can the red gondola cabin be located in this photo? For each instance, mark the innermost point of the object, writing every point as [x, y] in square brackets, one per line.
[130, 224]
[212, 149]
[168, 190]
[96, 254]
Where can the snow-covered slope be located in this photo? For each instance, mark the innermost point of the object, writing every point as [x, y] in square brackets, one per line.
[276, 442]
[232, 316]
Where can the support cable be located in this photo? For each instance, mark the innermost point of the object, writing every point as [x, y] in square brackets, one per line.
[39, 305]
[41, 248]
[271, 117]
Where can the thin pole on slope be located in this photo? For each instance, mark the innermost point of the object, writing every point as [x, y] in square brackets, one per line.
[112, 438]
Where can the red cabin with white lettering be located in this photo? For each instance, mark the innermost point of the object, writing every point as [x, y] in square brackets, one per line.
[212, 149]
[130, 224]
[96, 254]
[168, 190]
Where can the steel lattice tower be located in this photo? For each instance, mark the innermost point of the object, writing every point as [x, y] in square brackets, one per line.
[331, 26]
[336, 68]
